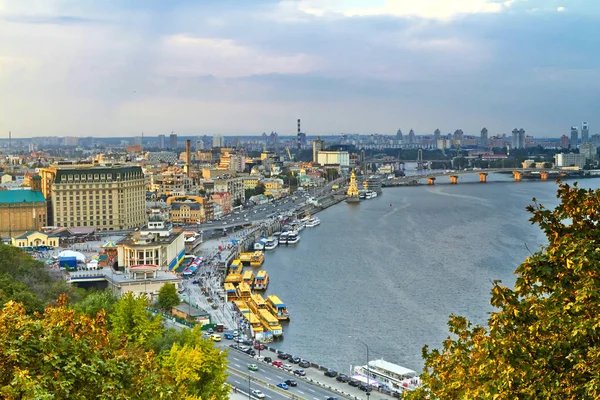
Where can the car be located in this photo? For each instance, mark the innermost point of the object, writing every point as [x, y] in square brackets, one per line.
[277, 363]
[354, 382]
[287, 367]
[342, 378]
[247, 342]
[234, 346]
[294, 360]
[228, 336]
[331, 373]
[210, 330]
[291, 382]
[257, 393]
[250, 352]
[282, 385]
[304, 363]
[253, 367]
[267, 359]
[364, 387]
[283, 356]
[259, 346]
[215, 337]
[300, 372]
[332, 398]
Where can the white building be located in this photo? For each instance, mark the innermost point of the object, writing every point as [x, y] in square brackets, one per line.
[570, 160]
[218, 141]
[334, 157]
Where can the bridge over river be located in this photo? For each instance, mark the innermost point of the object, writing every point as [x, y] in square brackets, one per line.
[517, 173]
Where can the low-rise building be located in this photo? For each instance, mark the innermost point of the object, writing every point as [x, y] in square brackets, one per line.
[140, 279]
[22, 210]
[36, 239]
[187, 209]
[570, 160]
[223, 199]
[341, 158]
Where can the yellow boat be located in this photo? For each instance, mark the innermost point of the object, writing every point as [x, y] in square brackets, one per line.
[277, 308]
[255, 323]
[248, 278]
[262, 280]
[243, 291]
[235, 272]
[270, 322]
[241, 305]
[236, 266]
[230, 290]
[256, 303]
[255, 259]
[233, 278]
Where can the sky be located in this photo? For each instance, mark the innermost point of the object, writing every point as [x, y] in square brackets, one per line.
[239, 67]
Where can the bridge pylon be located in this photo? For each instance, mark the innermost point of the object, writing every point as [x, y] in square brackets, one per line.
[431, 181]
[543, 175]
[454, 179]
[517, 176]
[483, 177]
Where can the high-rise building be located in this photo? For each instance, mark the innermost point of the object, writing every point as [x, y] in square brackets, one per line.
[458, 137]
[411, 137]
[317, 147]
[218, 141]
[437, 135]
[199, 144]
[588, 150]
[574, 137]
[107, 198]
[484, 137]
[173, 141]
[596, 140]
[518, 138]
[564, 141]
[399, 134]
[585, 133]
[264, 137]
[161, 141]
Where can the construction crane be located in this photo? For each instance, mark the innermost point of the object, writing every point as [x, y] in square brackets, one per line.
[289, 153]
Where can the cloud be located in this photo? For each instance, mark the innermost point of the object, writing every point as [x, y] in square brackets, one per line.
[560, 9]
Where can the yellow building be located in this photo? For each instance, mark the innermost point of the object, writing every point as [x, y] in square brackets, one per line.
[22, 210]
[251, 182]
[35, 239]
[187, 209]
[106, 197]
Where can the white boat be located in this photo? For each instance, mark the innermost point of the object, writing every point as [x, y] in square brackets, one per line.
[293, 237]
[370, 195]
[313, 222]
[260, 245]
[389, 376]
[283, 238]
[271, 243]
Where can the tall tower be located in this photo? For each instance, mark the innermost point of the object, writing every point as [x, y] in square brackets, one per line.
[585, 133]
[484, 137]
[298, 137]
[574, 137]
[188, 157]
[317, 147]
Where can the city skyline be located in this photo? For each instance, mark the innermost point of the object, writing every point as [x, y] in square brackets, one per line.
[195, 68]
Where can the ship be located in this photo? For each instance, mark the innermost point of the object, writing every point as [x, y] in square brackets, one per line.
[278, 308]
[387, 375]
[261, 282]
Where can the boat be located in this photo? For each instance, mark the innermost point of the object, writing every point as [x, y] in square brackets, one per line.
[241, 307]
[278, 308]
[283, 238]
[270, 322]
[230, 290]
[257, 259]
[261, 282]
[248, 278]
[256, 303]
[260, 244]
[243, 291]
[311, 223]
[390, 376]
[276, 234]
[255, 324]
[271, 244]
[293, 237]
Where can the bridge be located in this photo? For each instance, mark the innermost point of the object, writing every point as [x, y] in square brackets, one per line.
[483, 173]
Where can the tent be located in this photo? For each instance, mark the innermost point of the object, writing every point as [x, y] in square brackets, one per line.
[109, 245]
[70, 253]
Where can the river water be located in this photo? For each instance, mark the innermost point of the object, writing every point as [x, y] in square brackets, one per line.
[392, 274]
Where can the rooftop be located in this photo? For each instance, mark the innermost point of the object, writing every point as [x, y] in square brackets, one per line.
[21, 196]
[149, 240]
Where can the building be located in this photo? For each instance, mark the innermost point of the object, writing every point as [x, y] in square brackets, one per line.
[140, 279]
[167, 157]
[218, 141]
[23, 210]
[36, 239]
[483, 140]
[585, 133]
[155, 244]
[318, 145]
[518, 138]
[273, 186]
[187, 209]
[251, 182]
[588, 149]
[223, 200]
[411, 137]
[188, 311]
[199, 144]
[106, 197]
[233, 185]
[437, 135]
[70, 141]
[341, 158]
[173, 141]
[161, 142]
[564, 141]
[574, 137]
[570, 160]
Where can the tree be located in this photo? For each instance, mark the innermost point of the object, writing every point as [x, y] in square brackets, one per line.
[168, 297]
[543, 340]
[62, 354]
[198, 366]
[96, 302]
[132, 320]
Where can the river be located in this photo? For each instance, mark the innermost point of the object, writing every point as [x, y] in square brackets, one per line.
[391, 270]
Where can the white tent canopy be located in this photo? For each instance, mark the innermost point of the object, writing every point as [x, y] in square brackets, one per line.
[70, 253]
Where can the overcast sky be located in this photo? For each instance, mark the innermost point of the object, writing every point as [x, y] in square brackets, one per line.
[122, 67]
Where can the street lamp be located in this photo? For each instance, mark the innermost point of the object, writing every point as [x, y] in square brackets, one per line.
[249, 379]
[368, 370]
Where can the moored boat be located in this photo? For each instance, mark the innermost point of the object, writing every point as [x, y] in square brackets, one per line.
[257, 259]
[278, 308]
[283, 238]
[389, 376]
[248, 278]
[261, 282]
[271, 243]
[260, 244]
[313, 222]
[293, 237]
[270, 322]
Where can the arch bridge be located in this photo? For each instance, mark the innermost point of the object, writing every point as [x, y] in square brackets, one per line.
[517, 173]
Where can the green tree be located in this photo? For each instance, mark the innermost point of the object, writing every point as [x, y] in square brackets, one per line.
[168, 297]
[60, 354]
[132, 320]
[95, 302]
[543, 340]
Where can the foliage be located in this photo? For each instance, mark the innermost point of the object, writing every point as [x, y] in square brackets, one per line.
[61, 354]
[198, 366]
[331, 174]
[95, 302]
[168, 297]
[259, 189]
[543, 342]
[132, 320]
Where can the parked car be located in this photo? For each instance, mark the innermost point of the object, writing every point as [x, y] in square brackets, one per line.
[332, 398]
[331, 373]
[215, 337]
[253, 367]
[250, 352]
[277, 363]
[300, 372]
[258, 394]
[288, 367]
[294, 360]
[364, 387]
[210, 330]
[291, 382]
[267, 359]
[342, 378]
[304, 363]
[283, 356]
[282, 385]
[354, 382]
[228, 336]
